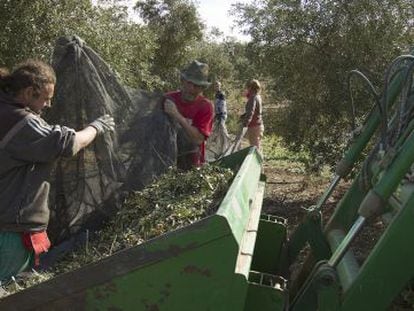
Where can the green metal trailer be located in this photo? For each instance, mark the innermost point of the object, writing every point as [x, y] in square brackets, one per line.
[208, 265]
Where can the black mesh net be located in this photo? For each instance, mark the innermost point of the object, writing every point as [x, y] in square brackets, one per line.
[218, 142]
[89, 188]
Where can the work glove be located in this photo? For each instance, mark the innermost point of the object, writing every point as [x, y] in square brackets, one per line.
[104, 124]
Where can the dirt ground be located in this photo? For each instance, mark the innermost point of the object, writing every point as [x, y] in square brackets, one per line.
[288, 191]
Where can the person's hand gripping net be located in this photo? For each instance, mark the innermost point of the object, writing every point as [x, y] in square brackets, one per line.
[170, 108]
[104, 124]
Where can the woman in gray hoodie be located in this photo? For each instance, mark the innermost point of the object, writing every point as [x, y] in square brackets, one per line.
[29, 147]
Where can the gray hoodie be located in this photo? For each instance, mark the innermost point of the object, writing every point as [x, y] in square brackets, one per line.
[29, 148]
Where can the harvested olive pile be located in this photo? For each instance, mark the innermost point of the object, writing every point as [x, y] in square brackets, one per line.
[173, 201]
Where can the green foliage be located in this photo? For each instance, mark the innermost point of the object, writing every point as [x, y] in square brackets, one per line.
[306, 49]
[30, 28]
[126, 46]
[217, 56]
[177, 28]
[301, 51]
[147, 56]
[229, 63]
[277, 155]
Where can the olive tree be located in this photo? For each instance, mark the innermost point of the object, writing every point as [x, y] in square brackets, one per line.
[307, 48]
[177, 28]
[30, 28]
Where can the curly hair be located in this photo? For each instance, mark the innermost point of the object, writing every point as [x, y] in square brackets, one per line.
[30, 73]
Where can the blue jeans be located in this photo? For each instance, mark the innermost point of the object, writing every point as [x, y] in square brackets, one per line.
[14, 257]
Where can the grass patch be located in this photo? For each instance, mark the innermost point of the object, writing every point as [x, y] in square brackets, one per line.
[276, 154]
[279, 156]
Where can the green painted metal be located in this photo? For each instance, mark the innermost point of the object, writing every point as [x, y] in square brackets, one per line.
[389, 267]
[307, 298]
[348, 268]
[347, 210]
[204, 266]
[378, 190]
[360, 284]
[329, 295]
[192, 280]
[402, 162]
[343, 218]
[369, 128]
[384, 273]
[271, 237]
[265, 292]
[311, 231]
[240, 195]
[404, 191]
[321, 291]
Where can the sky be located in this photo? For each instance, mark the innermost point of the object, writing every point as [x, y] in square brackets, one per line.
[215, 13]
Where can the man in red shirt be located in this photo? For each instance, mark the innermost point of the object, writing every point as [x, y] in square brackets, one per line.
[194, 114]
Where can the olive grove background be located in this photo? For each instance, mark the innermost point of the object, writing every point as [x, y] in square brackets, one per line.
[302, 51]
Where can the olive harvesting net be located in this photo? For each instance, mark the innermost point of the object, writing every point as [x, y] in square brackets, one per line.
[90, 187]
[218, 142]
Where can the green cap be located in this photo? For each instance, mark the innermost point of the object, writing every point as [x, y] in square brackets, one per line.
[197, 73]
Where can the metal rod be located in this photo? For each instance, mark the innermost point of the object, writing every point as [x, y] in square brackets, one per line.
[348, 267]
[327, 192]
[346, 242]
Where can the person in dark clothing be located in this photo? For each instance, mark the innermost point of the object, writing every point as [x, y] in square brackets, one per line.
[29, 147]
[220, 104]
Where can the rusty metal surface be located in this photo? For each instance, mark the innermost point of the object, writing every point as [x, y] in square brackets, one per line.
[67, 291]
